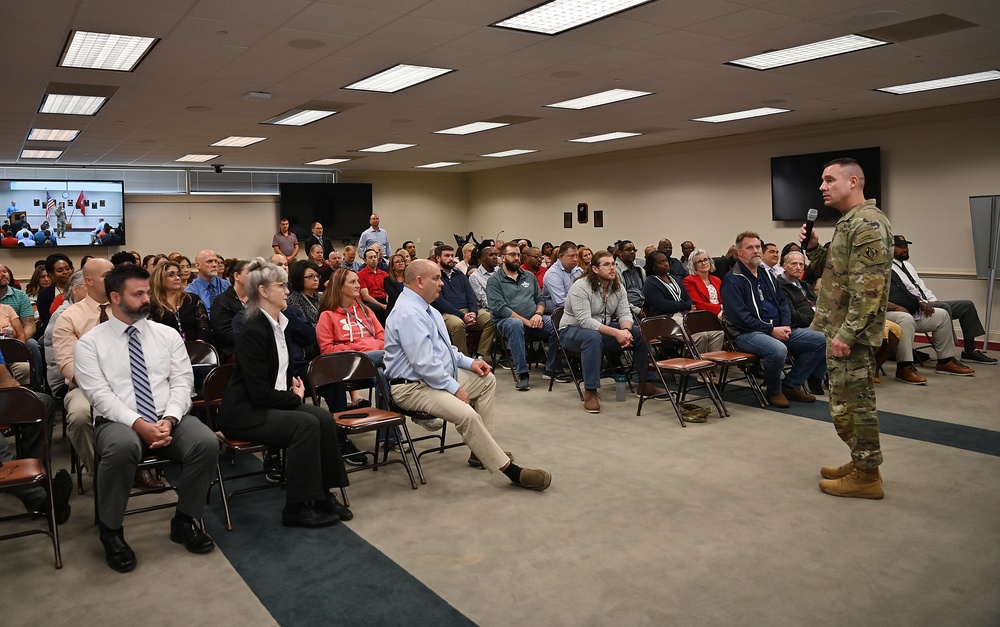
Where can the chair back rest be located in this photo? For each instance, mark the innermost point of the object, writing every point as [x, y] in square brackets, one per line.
[204, 358]
[702, 321]
[22, 406]
[15, 351]
[557, 316]
[663, 332]
[214, 389]
[343, 367]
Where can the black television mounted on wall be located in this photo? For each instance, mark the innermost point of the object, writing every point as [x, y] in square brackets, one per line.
[795, 181]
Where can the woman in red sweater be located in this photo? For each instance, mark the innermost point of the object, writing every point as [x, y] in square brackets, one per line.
[704, 288]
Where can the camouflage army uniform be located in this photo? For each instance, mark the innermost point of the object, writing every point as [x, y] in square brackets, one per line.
[60, 222]
[851, 307]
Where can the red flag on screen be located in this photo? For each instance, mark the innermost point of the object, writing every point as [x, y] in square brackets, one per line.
[81, 204]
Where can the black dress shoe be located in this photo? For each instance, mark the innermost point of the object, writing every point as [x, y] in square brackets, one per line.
[308, 517]
[190, 535]
[146, 479]
[118, 553]
[333, 506]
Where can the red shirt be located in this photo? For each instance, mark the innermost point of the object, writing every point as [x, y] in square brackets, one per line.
[373, 281]
[539, 275]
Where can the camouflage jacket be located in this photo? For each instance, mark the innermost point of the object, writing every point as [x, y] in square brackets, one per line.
[855, 270]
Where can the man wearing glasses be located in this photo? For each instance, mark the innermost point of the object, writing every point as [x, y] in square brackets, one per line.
[518, 310]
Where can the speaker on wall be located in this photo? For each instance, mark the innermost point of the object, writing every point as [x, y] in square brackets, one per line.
[581, 213]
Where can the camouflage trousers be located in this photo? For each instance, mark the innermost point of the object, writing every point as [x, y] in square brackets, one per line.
[852, 403]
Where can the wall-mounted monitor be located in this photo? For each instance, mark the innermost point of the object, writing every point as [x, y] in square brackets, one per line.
[342, 208]
[795, 182]
[72, 211]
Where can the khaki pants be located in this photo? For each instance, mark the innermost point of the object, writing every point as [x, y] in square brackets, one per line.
[80, 426]
[457, 330]
[938, 325]
[474, 425]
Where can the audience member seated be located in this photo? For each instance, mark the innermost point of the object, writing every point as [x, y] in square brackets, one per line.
[676, 265]
[914, 315]
[228, 304]
[21, 312]
[333, 261]
[264, 403]
[631, 276]
[759, 319]
[140, 405]
[560, 276]
[315, 254]
[687, 247]
[585, 255]
[771, 260]
[303, 281]
[60, 268]
[430, 375]
[548, 254]
[666, 296]
[518, 311]
[598, 319]
[480, 278]
[372, 280]
[172, 306]
[75, 292]
[725, 263]
[962, 310]
[800, 295]
[463, 266]
[393, 283]
[208, 285]
[458, 306]
[532, 258]
[704, 288]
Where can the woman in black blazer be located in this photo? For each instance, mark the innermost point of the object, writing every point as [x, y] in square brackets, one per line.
[264, 403]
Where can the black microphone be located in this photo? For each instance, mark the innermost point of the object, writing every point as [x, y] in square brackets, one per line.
[811, 216]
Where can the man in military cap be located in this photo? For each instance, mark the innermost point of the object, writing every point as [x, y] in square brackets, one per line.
[850, 311]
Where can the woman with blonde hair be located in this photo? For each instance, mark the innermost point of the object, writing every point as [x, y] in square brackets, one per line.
[169, 304]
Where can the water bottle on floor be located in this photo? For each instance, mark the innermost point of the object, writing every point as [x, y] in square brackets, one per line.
[620, 383]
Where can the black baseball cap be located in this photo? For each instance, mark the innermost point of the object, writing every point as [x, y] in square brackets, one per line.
[899, 240]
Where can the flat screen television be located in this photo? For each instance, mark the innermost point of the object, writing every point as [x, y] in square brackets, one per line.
[86, 205]
[795, 182]
[342, 208]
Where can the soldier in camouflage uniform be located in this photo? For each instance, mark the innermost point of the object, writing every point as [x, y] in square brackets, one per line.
[855, 268]
[61, 220]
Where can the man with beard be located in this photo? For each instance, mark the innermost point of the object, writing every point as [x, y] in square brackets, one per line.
[518, 310]
[140, 405]
[962, 310]
[458, 307]
[759, 319]
[631, 276]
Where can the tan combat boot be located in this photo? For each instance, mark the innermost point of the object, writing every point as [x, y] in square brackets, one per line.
[836, 472]
[860, 484]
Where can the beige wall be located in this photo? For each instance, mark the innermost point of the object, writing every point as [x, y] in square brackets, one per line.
[932, 161]
[708, 191]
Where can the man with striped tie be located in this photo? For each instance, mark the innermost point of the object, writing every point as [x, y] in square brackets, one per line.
[140, 405]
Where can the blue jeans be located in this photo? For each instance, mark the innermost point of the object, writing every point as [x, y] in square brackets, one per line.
[514, 332]
[591, 344]
[807, 346]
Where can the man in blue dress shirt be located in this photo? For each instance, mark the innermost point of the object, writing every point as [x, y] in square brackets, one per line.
[209, 284]
[429, 375]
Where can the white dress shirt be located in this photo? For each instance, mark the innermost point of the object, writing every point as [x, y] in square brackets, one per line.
[917, 284]
[278, 327]
[104, 373]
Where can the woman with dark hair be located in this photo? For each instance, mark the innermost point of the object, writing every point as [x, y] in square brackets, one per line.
[303, 281]
[172, 306]
[60, 268]
[547, 251]
[666, 296]
[149, 262]
[40, 279]
[186, 274]
[264, 403]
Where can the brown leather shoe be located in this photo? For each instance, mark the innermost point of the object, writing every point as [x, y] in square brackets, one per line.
[648, 388]
[909, 374]
[591, 401]
[797, 395]
[534, 479]
[778, 400]
[954, 367]
[475, 463]
[146, 479]
[860, 484]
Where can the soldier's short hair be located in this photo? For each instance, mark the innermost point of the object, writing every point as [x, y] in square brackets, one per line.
[744, 235]
[849, 164]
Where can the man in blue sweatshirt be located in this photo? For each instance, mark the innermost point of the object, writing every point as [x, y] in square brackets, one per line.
[458, 306]
[756, 313]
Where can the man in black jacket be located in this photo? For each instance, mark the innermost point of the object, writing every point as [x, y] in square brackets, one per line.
[800, 295]
[458, 306]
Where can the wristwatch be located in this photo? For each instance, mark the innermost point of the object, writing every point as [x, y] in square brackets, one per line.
[173, 421]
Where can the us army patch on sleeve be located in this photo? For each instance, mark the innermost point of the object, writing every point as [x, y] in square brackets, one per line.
[871, 252]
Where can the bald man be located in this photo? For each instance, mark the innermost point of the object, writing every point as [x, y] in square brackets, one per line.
[428, 374]
[76, 320]
[209, 284]
[375, 235]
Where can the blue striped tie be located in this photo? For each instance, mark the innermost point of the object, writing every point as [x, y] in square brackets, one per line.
[140, 380]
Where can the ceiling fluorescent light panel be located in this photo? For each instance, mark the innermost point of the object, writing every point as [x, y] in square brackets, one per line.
[943, 83]
[606, 137]
[105, 51]
[299, 117]
[602, 98]
[558, 16]
[809, 52]
[741, 115]
[398, 78]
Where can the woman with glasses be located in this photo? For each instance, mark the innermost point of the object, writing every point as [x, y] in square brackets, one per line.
[666, 296]
[264, 403]
[303, 279]
[169, 304]
[702, 285]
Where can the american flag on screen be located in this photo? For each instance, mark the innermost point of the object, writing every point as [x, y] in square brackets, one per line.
[50, 204]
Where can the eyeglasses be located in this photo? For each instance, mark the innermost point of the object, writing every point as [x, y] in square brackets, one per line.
[702, 260]
[173, 275]
[606, 264]
[628, 250]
